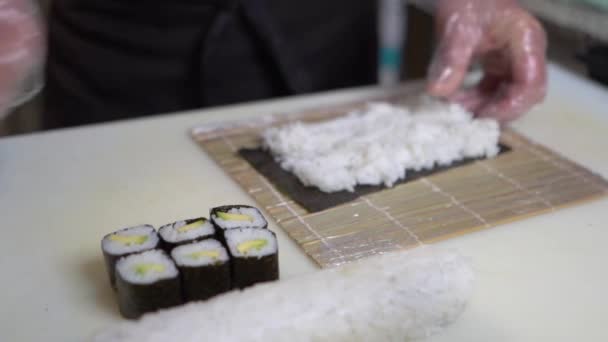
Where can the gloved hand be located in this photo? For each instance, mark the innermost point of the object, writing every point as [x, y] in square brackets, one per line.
[21, 49]
[511, 46]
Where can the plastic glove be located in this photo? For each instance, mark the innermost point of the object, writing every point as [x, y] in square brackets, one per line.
[511, 46]
[21, 50]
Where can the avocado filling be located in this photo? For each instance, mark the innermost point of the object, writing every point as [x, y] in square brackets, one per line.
[200, 254]
[143, 269]
[234, 217]
[191, 226]
[245, 247]
[129, 239]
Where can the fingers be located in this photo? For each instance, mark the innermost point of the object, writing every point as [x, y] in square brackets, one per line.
[474, 99]
[512, 101]
[21, 48]
[459, 39]
[528, 81]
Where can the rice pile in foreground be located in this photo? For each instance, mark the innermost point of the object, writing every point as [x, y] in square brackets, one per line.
[377, 145]
[393, 297]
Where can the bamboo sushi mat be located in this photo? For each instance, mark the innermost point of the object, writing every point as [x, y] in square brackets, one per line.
[528, 180]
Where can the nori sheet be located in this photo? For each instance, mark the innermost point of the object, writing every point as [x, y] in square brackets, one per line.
[315, 200]
[252, 270]
[134, 300]
[204, 282]
[111, 259]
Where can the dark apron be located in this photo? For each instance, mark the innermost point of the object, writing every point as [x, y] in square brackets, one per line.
[116, 59]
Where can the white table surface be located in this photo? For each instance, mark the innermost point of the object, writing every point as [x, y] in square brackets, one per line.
[541, 279]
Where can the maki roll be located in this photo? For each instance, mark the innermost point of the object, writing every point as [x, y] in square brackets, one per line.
[186, 231]
[255, 257]
[204, 267]
[146, 282]
[124, 242]
[237, 216]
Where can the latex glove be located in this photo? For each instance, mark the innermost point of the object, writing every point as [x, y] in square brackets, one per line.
[21, 49]
[511, 46]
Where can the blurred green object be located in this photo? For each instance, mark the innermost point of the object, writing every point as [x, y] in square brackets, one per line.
[600, 4]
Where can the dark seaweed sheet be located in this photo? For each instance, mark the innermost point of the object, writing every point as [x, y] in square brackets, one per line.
[313, 199]
[250, 271]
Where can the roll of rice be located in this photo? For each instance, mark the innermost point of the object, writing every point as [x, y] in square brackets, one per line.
[393, 297]
[124, 242]
[146, 282]
[204, 268]
[237, 216]
[185, 231]
[255, 256]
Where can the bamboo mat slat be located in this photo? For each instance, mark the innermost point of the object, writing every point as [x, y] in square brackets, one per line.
[528, 180]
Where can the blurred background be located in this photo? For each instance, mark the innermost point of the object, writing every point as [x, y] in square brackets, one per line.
[578, 40]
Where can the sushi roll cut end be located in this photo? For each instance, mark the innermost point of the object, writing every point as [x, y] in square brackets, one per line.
[238, 216]
[124, 242]
[146, 268]
[147, 282]
[130, 240]
[185, 231]
[255, 257]
[251, 242]
[206, 252]
[204, 268]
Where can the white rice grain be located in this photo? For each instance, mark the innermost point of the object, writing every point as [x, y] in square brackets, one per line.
[258, 220]
[171, 232]
[393, 297]
[234, 237]
[378, 144]
[126, 267]
[181, 254]
[118, 248]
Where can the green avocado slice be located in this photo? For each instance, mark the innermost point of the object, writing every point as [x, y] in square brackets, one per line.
[143, 269]
[234, 217]
[245, 247]
[191, 226]
[129, 239]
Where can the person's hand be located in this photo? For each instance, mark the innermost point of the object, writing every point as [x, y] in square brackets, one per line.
[511, 46]
[21, 48]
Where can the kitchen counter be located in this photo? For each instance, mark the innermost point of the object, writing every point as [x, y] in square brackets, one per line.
[544, 278]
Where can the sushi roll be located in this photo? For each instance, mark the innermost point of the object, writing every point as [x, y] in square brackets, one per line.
[255, 257]
[146, 282]
[124, 242]
[204, 267]
[237, 216]
[186, 231]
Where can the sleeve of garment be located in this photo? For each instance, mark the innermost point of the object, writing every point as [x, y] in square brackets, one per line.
[22, 52]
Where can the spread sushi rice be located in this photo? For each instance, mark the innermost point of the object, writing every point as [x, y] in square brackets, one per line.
[393, 297]
[146, 267]
[130, 240]
[238, 217]
[206, 252]
[378, 144]
[251, 242]
[184, 231]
